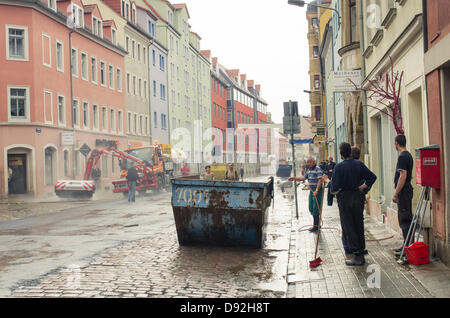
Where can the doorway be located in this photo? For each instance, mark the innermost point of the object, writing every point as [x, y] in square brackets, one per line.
[17, 174]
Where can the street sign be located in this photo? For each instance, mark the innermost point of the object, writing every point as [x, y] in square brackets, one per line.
[67, 138]
[85, 150]
[347, 81]
[291, 119]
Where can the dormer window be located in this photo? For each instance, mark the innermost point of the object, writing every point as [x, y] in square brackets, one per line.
[113, 36]
[78, 16]
[97, 27]
[52, 4]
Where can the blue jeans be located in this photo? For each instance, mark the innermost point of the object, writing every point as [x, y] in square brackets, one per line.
[131, 191]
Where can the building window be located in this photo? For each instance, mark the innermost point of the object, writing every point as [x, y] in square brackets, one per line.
[128, 83]
[129, 123]
[61, 109]
[135, 124]
[140, 87]
[155, 120]
[77, 16]
[111, 76]
[113, 36]
[94, 70]
[154, 88]
[112, 120]
[66, 163]
[145, 89]
[52, 4]
[139, 52]
[352, 19]
[75, 62]
[86, 115]
[316, 81]
[316, 51]
[119, 79]
[95, 115]
[315, 23]
[104, 119]
[134, 85]
[17, 43]
[75, 113]
[18, 107]
[103, 73]
[154, 57]
[120, 121]
[151, 28]
[161, 62]
[46, 50]
[163, 91]
[59, 56]
[84, 66]
[318, 113]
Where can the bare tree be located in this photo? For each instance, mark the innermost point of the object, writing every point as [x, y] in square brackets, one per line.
[386, 92]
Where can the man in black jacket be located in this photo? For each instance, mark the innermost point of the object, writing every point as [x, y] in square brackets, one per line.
[351, 179]
[329, 167]
[132, 177]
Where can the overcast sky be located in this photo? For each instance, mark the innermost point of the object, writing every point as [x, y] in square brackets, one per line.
[265, 39]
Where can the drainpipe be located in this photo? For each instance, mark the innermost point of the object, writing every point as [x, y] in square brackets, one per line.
[363, 74]
[150, 94]
[71, 102]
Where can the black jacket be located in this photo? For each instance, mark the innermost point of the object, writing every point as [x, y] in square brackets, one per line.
[132, 174]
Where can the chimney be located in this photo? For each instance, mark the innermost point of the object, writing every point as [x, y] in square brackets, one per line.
[258, 89]
[250, 83]
[214, 63]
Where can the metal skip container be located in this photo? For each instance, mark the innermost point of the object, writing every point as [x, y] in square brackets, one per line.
[220, 213]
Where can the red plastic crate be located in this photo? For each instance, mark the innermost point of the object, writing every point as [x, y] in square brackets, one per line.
[418, 253]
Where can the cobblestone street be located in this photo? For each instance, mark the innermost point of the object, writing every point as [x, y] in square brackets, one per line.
[156, 266]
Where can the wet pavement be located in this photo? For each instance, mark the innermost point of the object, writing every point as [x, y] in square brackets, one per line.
[380, 277]
[114, 249]
[154, 265]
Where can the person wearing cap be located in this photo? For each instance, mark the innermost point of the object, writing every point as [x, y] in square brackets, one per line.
[314, 176]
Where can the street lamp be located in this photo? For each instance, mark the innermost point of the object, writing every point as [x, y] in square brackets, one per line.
[300, 3]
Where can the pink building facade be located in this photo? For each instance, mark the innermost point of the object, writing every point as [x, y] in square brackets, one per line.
[41, 133]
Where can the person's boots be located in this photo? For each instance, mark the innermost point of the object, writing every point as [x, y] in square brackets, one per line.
[357, 260]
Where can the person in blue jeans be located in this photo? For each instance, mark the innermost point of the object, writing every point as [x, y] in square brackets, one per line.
[132, 177]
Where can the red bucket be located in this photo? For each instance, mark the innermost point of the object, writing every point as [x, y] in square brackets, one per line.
[418, 253]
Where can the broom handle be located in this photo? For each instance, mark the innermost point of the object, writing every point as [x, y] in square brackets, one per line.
[319, 206]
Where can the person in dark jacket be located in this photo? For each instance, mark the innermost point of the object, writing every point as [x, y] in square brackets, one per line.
[350, 182]
[329, 167]
[132, 177]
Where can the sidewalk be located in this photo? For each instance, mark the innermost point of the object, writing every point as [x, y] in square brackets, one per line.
[333, 279]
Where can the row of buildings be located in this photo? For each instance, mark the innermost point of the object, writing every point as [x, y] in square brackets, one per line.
[400, 43]
[84, 73]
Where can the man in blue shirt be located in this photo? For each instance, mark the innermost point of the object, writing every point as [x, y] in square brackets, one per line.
[314, 176]
[350, 181]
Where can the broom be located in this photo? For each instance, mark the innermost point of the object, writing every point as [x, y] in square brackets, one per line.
[317, 260]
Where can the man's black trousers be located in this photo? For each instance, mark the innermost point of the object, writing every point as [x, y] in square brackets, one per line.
[351, 212]
[405, 209]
